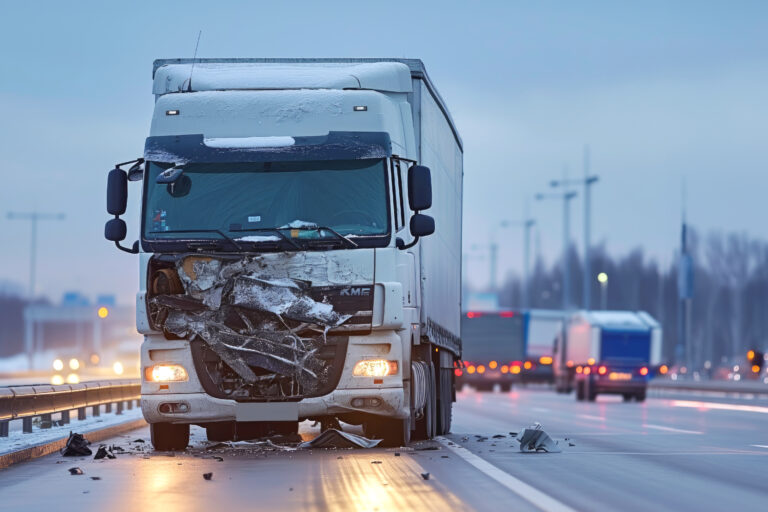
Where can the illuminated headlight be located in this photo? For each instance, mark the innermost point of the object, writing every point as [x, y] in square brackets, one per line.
[165, 373]
[375, 368]
[118, 368]
[58, 365]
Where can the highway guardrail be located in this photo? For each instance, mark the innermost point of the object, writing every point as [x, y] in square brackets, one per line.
[712, 386]
[27, 402]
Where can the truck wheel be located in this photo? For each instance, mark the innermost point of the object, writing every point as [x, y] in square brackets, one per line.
[393, 432]
[445, 402]
[640, 397]
[591, 395]
[220, 431]
[425, 426]
[580, 391]
[167, 437]
[506, 387]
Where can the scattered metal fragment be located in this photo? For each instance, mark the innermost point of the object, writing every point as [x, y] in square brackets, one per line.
[571, 444]
[425, 476]
[77, 446]
[103, 452]
[139, 440]
[513, 434]
[375, 462]
[444, 457]
[207, 476]
[339, 439]
[218, 446]
[95, 478]
[534, 439]
[75, 471]
[397, 454]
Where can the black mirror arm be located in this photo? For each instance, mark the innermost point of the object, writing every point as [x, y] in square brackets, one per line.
[133, 250]
[403, 246]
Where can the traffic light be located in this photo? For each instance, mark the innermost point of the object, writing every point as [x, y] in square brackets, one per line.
[756, 360]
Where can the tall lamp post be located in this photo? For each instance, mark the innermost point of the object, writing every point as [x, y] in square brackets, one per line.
[602, 278]
[566, 197]
[33, 218]
[587, 181]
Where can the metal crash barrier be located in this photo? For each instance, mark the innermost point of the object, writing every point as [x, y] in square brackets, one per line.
[27, 402]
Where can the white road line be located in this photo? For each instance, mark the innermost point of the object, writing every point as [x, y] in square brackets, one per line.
[759, 445]
[670, 429]
[525, 491]
[588, 417]
[716, 405]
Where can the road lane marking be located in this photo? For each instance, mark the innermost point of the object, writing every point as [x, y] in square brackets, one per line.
[594, 418]
[759, 445]
[719, 406]
[525, 491]
[670, 429]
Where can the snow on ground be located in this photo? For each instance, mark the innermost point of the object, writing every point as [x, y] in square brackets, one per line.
[18, 440]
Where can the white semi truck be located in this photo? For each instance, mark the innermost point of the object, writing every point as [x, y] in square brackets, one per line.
[287, 268]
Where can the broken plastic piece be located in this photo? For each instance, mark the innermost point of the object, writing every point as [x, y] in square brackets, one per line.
[534, 439]
[207, 476]
[425, 476]
[75, 471]
[333, 438]
[77, 446]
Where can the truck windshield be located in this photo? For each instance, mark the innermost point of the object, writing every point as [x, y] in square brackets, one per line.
[269, 201]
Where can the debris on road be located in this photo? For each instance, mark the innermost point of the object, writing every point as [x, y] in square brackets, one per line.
[103, 452]
[499, 436]
[95, 478]
[333, 438]
[426, 448]
[75, 471]
[425, 476]
[397, 454]
[139, 440]
[77, 446]
[207, 476]
[375, 462]
[534, 439]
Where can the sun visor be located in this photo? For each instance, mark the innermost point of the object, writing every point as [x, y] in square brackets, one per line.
[181, 149]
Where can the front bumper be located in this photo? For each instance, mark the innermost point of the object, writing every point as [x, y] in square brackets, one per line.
[200, 407]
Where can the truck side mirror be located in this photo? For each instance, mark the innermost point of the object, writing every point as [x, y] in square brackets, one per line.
[117, 191]
[115, 230]
[419, 188]
[422, 225]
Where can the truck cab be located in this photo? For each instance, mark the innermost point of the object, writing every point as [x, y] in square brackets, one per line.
[287, 269]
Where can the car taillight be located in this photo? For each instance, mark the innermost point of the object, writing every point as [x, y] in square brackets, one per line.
[458, 372]
[587, 370]
[579, 369]
[603, 370]
[643, 371]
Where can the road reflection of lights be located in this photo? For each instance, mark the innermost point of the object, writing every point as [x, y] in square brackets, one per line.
[57, 380]
[703, 406]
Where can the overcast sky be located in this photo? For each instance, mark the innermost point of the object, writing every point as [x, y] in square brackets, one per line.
[659, 90]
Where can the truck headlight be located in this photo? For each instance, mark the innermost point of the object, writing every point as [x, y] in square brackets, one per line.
[374, 368]
[166, 373]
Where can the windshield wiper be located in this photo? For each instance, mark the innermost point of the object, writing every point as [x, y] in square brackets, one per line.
[341, 237]
[223, 235]
[271, 230]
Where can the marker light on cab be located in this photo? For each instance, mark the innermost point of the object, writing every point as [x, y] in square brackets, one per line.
[374, 368]
[166, 373]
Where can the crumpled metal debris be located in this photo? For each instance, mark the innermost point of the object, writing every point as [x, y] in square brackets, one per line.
[251, 321]
[333, 438]
[104, 452]
[77, 446]
[207, 476]
[534, 439]
[75, 471]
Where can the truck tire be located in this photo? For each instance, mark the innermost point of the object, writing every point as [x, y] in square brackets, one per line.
[640, 397]
[627, 396]
[220, 431]
[168, 437]
[444, 402]
[591, 393]
[505, 388]
[580, 391]
[393, 432]
[426, 425]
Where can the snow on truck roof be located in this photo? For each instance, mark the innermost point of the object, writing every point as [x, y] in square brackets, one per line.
[639, 320]
[211, 74]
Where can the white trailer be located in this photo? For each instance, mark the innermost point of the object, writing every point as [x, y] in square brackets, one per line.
[287, 269]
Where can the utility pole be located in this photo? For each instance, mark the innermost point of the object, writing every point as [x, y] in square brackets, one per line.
[685, 292]
[566, 197]
[527, 223]
[33, 217]
[587, 182]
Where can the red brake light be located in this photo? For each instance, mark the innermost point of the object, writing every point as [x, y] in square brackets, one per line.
[603, 370]
[507, 314]
[458, 372]
[643, 371]
[474, 314]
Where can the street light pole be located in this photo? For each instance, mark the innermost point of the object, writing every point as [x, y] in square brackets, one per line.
[33, 217]
[566, 197]
[587, 182]
[602, 278]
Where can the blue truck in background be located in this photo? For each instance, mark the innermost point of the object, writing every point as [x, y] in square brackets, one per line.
[607, 352]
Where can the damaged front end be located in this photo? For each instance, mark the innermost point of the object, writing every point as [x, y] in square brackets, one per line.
[256, 331]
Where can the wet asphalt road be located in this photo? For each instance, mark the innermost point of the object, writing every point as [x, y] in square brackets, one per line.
[665, 454]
